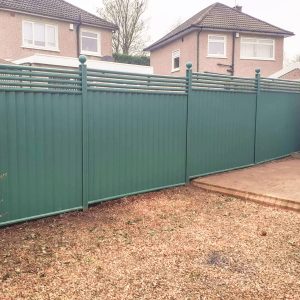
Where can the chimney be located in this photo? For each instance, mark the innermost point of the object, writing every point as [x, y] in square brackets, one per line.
[238, 8]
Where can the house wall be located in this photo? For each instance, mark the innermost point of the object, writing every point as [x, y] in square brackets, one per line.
[161, 59]
[246, 67]
[210, 64]
[292, 75]
[11, 37]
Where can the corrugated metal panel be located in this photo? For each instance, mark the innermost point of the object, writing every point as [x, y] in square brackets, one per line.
[222, 129]
[278, 125]
[41, 153]
[136, 142]
[134, 137]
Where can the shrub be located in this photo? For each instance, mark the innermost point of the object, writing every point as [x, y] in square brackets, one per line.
[132, 59]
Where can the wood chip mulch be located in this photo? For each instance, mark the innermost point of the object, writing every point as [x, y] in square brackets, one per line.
[180, 243]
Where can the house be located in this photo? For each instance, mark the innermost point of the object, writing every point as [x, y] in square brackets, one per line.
[52, 27]
[220, 39]
[291, 72]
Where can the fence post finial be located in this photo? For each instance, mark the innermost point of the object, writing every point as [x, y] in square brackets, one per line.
[82, 59]
[189, 66]
[257, 77]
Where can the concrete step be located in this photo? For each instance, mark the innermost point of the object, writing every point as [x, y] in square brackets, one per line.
[246, 195]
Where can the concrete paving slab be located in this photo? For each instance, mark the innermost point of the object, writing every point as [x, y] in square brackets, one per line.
[274, 183]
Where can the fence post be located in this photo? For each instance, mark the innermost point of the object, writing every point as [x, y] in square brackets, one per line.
[84, 107]
[257, 85]
[188, 91]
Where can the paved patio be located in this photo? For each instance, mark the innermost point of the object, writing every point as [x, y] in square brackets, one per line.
[275, 183]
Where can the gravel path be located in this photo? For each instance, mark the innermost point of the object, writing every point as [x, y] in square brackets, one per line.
[181, 243]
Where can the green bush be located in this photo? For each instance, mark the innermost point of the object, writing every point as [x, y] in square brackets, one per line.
[132, 59]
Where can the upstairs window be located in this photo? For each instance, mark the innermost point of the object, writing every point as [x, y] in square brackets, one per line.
[90, 43]
[40, 36]
[175, 60]
[256, 48]
[216, 46]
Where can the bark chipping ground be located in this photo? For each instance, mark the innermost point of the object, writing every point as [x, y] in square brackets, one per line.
[181, 243]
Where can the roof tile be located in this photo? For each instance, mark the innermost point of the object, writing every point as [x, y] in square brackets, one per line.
[56, 9]
[221, 16]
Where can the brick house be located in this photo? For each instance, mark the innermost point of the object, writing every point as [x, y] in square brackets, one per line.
[291, 72]
[52, 27]
[220, 39]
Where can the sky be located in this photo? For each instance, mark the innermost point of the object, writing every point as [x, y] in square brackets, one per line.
[162, 15]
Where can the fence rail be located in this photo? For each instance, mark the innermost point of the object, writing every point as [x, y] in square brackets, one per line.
[24, 78]
[116, 81]
[223, 83]
[278, 85]
[70, 138]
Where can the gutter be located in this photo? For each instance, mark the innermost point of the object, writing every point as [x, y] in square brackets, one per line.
[172, 38]
[195, 27]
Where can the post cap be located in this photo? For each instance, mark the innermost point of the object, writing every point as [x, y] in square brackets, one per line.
[189, 65]
[82, 59]
[257, 71]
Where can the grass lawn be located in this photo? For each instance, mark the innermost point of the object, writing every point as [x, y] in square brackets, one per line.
[181, 243]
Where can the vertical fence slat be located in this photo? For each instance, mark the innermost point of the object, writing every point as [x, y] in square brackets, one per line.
[257, 86]
[85, 133]
[189, 90]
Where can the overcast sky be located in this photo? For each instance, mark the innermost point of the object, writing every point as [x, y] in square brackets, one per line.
[162, 15]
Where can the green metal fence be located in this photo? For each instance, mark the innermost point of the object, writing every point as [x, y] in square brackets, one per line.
[40, 142]
[72, 138]
[136, 133]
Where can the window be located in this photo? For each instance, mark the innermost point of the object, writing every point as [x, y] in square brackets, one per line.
[40, 36]
[90, 43]
[216, 46]
[256, 48]
[176, 60]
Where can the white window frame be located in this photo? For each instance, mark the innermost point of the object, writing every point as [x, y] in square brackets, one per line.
[47, 48]
[92, 53]
[256, 57]
[225, 46]
[175, 54]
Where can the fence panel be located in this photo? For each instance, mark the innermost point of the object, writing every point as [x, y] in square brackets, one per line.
[221, 124]
[278, 124]
[221, 130]
[40, 154]
[136, 143]
[40, 143]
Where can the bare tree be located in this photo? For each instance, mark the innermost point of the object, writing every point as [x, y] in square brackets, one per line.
[128, 16]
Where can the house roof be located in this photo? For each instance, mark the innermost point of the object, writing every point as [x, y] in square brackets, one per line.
[58, 9]
[5, 62]
[286, 70]
[219, 16]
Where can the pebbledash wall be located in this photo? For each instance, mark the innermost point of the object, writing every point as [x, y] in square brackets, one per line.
[11, 29]
[188, 52]
[69, 139]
